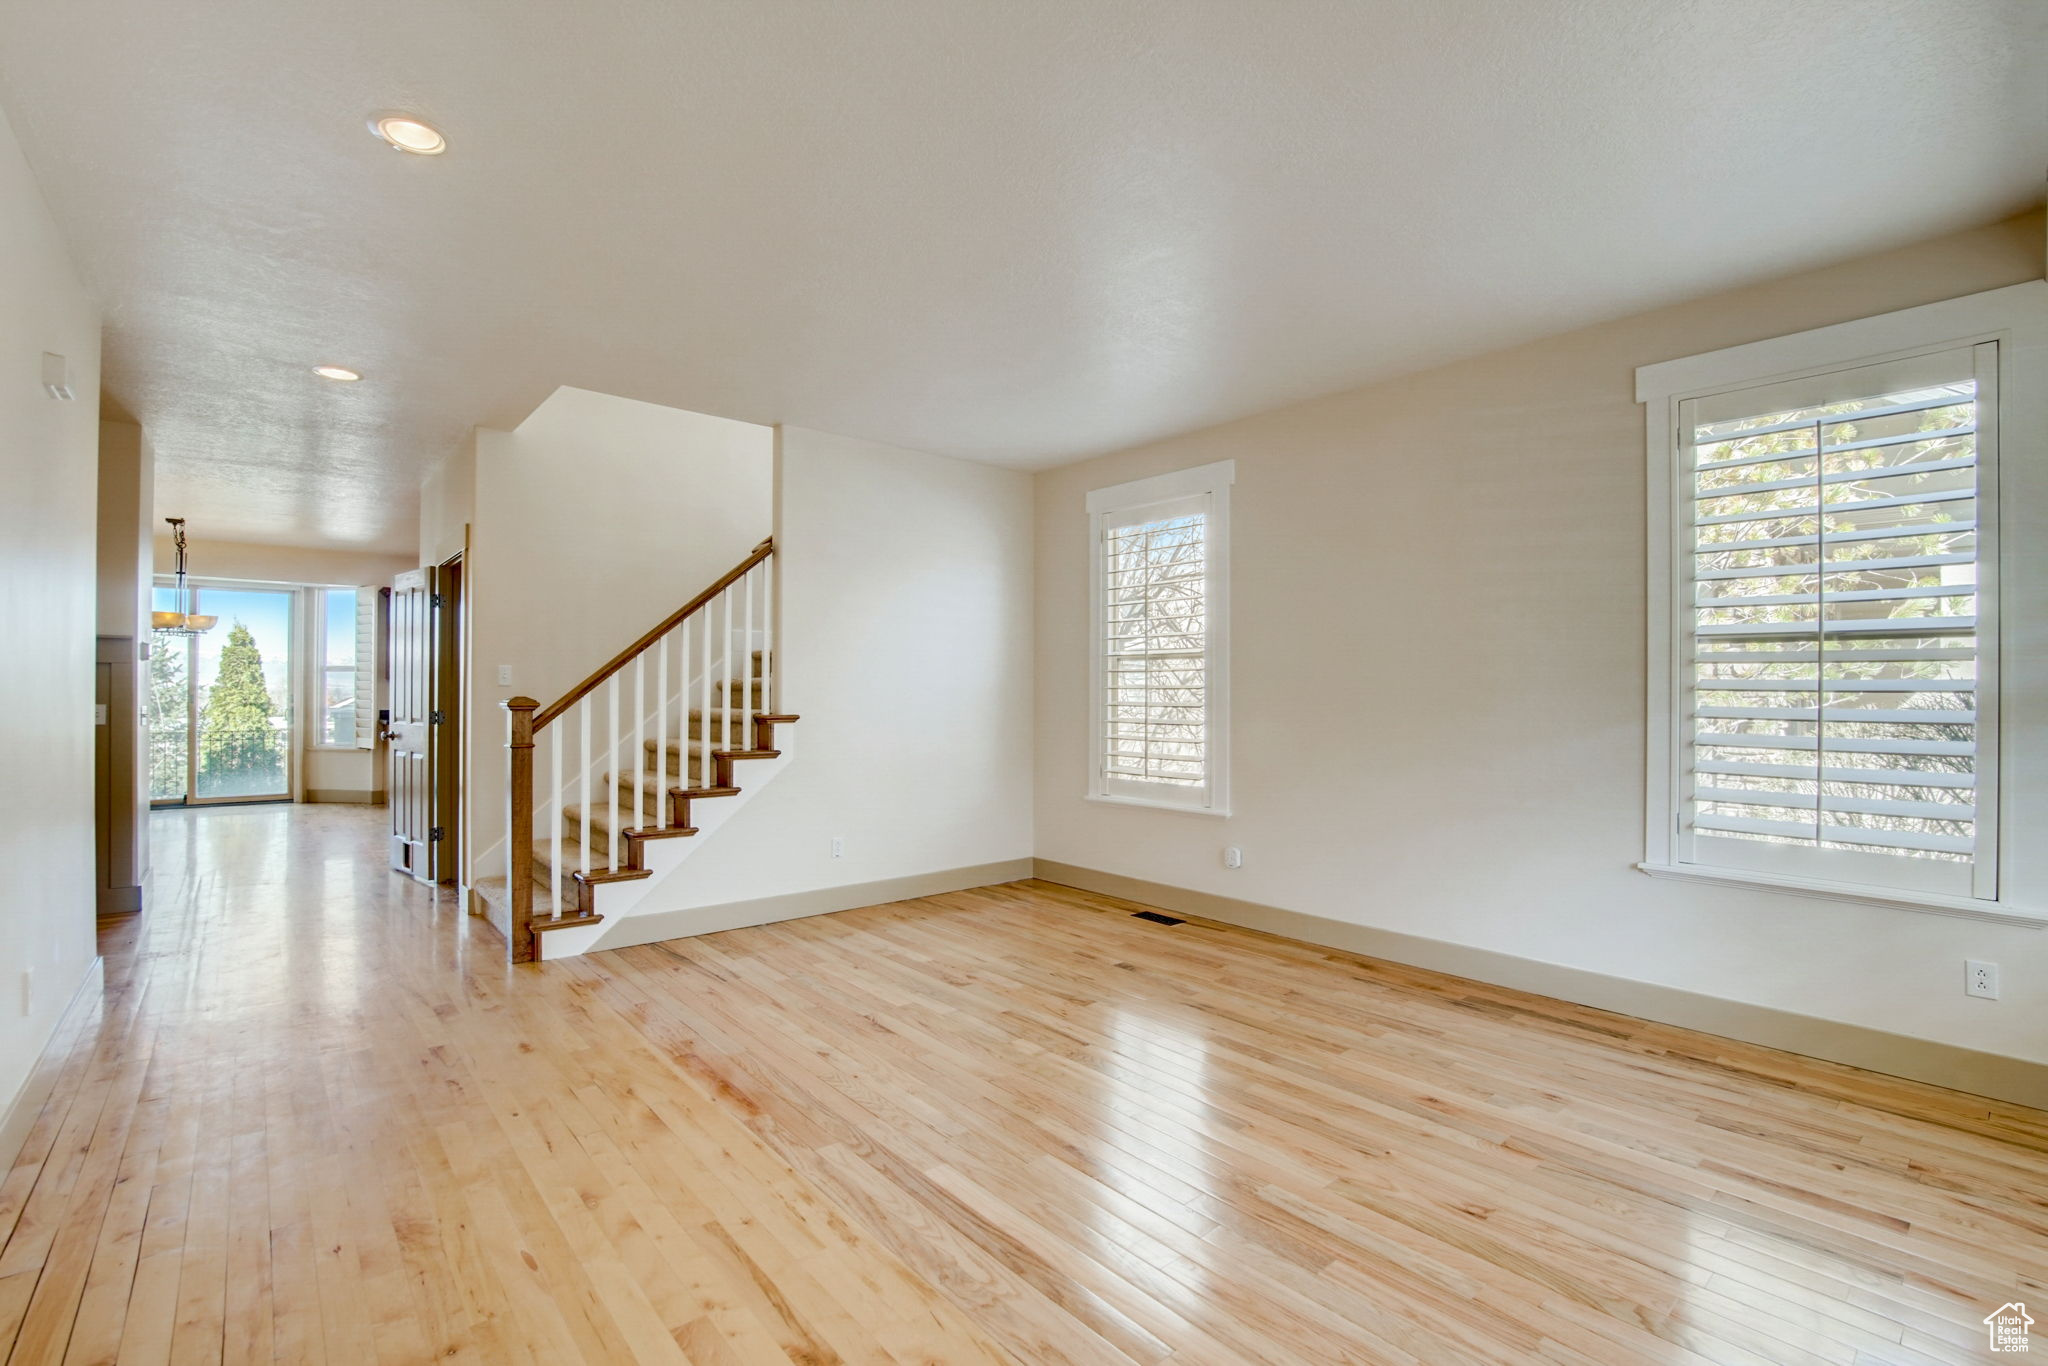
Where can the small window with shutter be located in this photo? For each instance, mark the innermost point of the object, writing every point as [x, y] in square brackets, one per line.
[1161, 553]
[346, 709]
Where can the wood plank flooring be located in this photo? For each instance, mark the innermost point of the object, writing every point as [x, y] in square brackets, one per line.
[317, 1119]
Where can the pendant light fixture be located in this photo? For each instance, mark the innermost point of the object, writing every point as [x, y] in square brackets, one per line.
[184, 621]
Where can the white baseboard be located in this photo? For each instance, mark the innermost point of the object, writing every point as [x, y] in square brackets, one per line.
[733, 915]
[42, 1078]
[2018, 1080]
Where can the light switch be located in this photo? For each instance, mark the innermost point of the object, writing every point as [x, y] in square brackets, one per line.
[57, 377]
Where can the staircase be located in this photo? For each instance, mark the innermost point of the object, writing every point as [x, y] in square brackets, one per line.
[621, 762]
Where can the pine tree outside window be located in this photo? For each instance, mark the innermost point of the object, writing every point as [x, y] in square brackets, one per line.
[242, 739]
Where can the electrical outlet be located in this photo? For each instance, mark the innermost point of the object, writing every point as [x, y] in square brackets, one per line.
[839, 846]
[28, 991]
[504, 675]
[1980, 978]
[1233, 857]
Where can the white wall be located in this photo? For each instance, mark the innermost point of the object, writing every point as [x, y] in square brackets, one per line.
[49, 459]
[906, 649]
[126, 517]
[1438, 661]
[592, 520]
[126, 493]
[254, 563]
[447, 503]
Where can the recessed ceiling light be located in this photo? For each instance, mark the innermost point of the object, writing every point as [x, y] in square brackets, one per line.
[408, 134]
[340, 372]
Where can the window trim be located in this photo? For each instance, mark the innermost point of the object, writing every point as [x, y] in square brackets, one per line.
[1214, 481]
[2016, 317]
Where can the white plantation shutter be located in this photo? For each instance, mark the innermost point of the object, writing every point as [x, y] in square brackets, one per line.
[1837, 625]
[1156, 646]
[369, 640]
[1161, 549]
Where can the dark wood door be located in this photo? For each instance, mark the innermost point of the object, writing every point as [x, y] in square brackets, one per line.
[410, 734]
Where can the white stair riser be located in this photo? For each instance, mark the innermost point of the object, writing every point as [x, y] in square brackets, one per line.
[617, 900]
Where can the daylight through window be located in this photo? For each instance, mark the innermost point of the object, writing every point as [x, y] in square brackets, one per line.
[1837, 627]
[1160, 548]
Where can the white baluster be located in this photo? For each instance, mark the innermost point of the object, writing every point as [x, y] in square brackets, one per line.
[710, 668]
[660, 731]
[639, 754]
[683, 721]
[555, 820]
[611, 750]
[747, 656]
[726, 633]
[583, 710]
[768, 607]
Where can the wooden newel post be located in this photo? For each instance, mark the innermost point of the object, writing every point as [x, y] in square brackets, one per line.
[519, 826]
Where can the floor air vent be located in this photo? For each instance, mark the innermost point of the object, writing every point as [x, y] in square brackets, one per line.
[1156, 918]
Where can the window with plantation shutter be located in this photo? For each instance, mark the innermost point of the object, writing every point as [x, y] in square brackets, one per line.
[1842, 521]
[341, 671]
[1160, 583]
[1836, 633]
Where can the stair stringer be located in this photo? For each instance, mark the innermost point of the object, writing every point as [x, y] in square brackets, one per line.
[618, 900]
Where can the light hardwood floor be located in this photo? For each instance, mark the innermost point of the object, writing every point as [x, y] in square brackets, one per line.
[319, 1120]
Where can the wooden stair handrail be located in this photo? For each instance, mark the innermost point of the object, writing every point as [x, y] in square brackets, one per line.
[626, 656]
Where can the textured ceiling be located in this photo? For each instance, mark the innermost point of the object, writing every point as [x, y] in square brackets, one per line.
[1022, 231]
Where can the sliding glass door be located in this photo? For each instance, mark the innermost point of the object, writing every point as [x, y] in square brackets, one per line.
[221, 715]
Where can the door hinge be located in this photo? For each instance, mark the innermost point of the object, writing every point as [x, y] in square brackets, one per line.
[434, 599]
[436, 833]
[436, 717]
